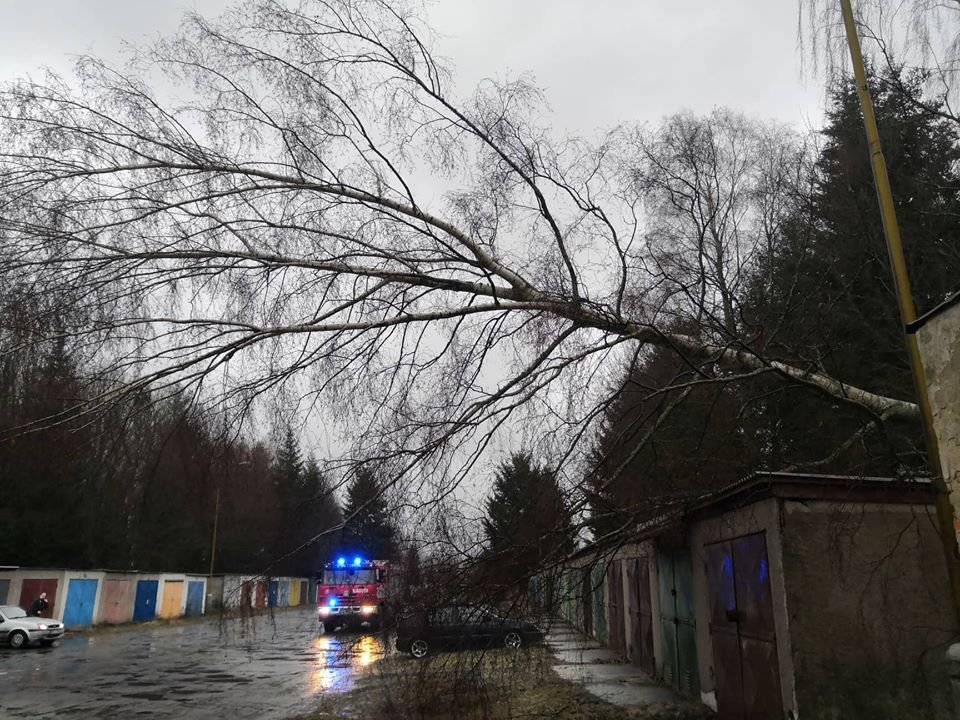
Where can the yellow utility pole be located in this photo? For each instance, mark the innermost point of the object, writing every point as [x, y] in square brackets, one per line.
[908, 312]
[213, 543]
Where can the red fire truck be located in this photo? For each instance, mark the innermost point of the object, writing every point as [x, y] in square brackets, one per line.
[352, 592]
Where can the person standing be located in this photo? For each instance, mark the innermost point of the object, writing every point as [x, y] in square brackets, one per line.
[40, 605]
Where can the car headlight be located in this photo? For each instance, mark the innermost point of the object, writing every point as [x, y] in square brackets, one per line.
[324, 610]
[41, 626]
[368, 609]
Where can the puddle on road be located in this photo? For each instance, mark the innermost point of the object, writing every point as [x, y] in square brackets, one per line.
[338, 660]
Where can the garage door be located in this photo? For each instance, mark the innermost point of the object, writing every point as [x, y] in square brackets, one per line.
[677, 621]
[172, 598]
[81, 596]
[641, 614]
[30, 590]
[194, 598]
[742, 630]
[145, 607]
[115, 601]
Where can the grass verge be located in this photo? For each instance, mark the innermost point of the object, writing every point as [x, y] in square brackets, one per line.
[491, 685]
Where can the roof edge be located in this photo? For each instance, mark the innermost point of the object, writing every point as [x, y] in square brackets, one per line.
[913, 327]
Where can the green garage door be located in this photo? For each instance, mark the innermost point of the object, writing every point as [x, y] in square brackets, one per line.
[677, 620]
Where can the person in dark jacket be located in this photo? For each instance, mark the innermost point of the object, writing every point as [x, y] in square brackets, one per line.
[40, 605]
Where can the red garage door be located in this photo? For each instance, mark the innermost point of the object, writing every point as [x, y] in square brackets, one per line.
[31, 589]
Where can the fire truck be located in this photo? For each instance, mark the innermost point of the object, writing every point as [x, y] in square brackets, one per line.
[351, 592]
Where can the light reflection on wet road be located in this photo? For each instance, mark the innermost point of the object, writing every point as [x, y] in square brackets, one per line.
[263, 668]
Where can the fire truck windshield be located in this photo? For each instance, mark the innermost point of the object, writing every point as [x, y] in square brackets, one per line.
[349, 576]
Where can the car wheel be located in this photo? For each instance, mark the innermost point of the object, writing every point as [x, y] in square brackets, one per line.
[512, 640]
[419, 649]
[19, 639]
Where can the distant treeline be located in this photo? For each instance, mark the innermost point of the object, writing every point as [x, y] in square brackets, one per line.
[135, 485]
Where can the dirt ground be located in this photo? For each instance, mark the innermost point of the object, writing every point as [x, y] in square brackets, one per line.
[492, 685]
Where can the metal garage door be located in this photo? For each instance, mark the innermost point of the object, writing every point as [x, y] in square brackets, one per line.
[30, 590]
[115, 606]
[194, 604]
[618, 630]
[586, 594]
[81, 596]
[677, 621]
[145, 606]
[742, 630]
[172, 598]
[641, 615]
[4, 589]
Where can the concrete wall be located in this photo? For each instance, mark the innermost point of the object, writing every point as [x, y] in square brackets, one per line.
[869, 610]
[939, 341]
[763, 516]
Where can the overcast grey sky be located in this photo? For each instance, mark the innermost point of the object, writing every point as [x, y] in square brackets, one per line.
[601, 62]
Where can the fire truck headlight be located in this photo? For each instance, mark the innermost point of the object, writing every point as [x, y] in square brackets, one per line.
[324, 610]
[368, 609]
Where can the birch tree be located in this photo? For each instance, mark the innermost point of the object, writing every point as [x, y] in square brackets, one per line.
[291, 200]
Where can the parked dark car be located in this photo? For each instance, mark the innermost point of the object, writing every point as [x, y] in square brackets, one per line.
[461, 627]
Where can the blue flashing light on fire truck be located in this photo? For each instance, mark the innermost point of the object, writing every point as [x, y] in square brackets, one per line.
[351, 593]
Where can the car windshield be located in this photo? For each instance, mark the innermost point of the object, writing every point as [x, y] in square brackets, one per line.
[349, 577]
[463, 614]
[11, 612]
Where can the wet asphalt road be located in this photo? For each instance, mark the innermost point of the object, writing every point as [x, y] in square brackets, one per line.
[259, 668]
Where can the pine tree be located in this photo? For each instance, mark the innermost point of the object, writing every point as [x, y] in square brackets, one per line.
[825, 293]
[821, 294]
[321, 515]
[528, 520]
[367, 528]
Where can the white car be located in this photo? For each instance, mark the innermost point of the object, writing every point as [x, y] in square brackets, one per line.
[20, 629]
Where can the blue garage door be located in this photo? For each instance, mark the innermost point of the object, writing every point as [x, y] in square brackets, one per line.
[145, 607]
[194, 598]
[81, 595]
[272, 592]
[284, 594]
